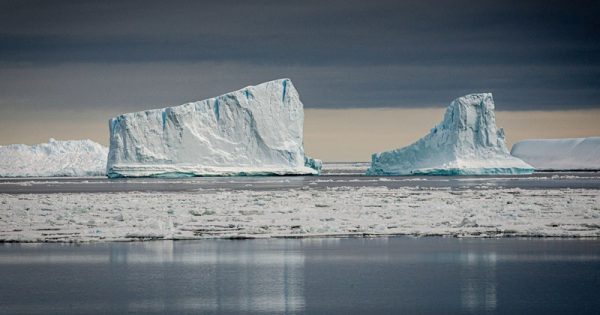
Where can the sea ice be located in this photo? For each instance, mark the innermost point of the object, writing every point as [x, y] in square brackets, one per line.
[560, 154]
[257, 130]
[55, 158]
[466, 142]
[304, 212]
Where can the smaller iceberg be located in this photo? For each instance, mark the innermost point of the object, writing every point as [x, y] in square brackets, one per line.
[314, 164]
[55, 158]
[560, 154]
[466, 142]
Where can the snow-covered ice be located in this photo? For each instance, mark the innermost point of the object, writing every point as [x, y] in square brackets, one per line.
[560, 154]
[303, 212]
[257, 130]
[466, 142]
[55, 158]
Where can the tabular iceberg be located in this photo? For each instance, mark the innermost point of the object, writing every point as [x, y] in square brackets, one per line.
[466, 142]
[560, 154]
[257, 130]
[55, 158]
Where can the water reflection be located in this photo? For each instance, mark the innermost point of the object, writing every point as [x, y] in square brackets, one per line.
[316, 276]
[478, 281]
[226, 277]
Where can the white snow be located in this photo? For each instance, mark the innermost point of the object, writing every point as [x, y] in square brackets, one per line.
[257, 130]
[304, 212]
[55, 158]
[560, 154]
[466, 142]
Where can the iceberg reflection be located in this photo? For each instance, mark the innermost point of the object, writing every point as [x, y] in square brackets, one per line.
[478, 285]
[224, 276]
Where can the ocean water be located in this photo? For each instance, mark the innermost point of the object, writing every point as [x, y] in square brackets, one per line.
[343, 177]
[396, 275]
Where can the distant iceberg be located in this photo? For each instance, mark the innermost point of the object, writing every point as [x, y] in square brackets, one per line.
[55, 158]
[257, 130]
[466, 142]
[560, 154]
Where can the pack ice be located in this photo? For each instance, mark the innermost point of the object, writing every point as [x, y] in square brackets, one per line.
[55, 158]
[560, 154]
[257, 130]
[466, 142]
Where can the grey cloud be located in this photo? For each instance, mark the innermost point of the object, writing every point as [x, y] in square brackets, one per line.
[339, 53]
[128, 87]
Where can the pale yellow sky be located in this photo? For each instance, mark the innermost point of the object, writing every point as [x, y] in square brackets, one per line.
[329, 134]
[354, 134]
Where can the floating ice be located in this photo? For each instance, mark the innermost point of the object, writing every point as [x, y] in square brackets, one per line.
[315, 164]
[560, 154]
[257, 130]
[55, 158]
[466, 142]
[284, 212]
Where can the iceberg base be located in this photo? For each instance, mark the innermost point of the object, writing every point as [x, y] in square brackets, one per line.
[455, 171]
[177, 171]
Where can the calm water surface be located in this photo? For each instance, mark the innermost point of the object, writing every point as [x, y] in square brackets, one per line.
[542, 180]
[313, 276]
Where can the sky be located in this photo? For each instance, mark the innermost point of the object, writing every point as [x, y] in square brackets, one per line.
[68, 66]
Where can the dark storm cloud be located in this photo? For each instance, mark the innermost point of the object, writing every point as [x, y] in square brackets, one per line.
[532, 55]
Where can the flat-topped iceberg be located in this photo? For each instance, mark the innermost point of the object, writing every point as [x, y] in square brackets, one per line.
[55, 158]
[257, 130]
[466, 142]
[560, 154]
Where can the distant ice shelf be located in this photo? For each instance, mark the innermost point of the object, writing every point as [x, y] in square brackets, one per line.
[560, 154]
[55, 158]
[466, 142]
[257, 130]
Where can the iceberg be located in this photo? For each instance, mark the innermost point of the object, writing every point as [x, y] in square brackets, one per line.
[55, 158]
[257, 130]
[560, 154]
[466, 142]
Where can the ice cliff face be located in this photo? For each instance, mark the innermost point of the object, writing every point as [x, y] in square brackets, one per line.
[560, 154]
[466, 142]
[257, 130]
[55, 158]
